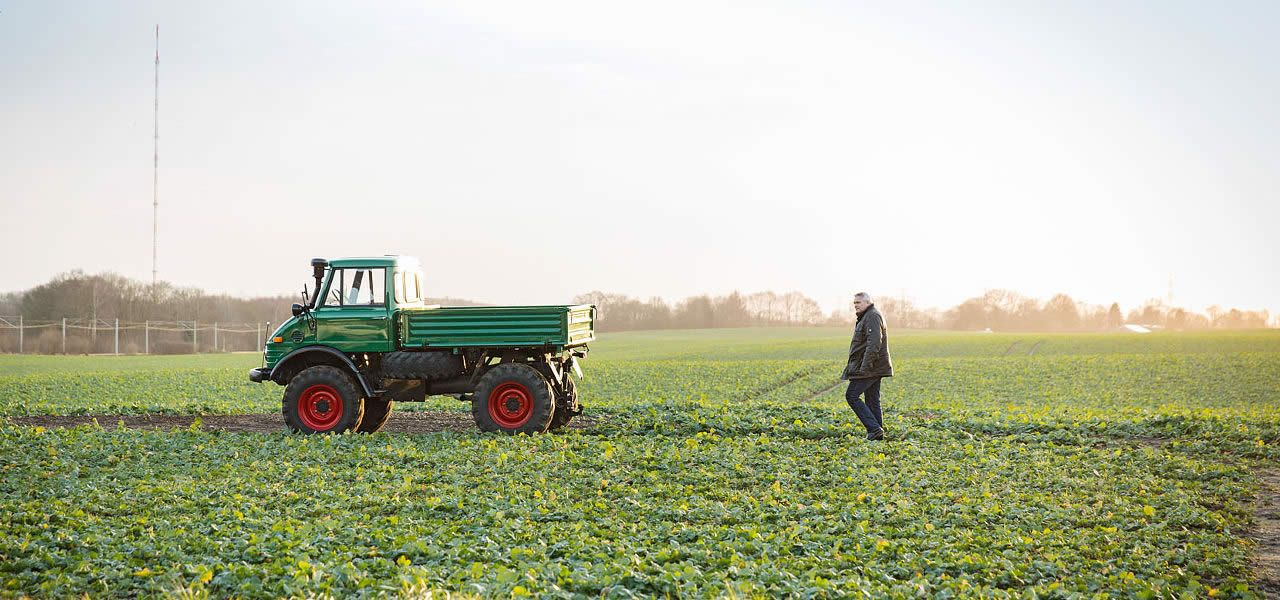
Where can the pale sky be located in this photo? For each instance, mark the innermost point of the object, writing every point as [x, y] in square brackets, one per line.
[531, 151]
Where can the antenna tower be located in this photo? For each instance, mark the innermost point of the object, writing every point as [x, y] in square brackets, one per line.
[155, 172]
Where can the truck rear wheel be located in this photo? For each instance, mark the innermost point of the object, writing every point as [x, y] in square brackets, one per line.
[376, 413]
[513, 398]
[567, 406]
[322, 399]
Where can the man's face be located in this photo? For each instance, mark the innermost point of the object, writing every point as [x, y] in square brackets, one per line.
[860, 304]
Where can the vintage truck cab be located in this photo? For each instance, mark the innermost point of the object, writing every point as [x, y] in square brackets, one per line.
[365, 339]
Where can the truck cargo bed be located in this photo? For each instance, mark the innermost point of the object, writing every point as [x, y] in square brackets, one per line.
[556, 326]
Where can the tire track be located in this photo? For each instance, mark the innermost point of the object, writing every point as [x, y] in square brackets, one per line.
[1266, 534]
[822, 393]
[410, 422]
[818, 367]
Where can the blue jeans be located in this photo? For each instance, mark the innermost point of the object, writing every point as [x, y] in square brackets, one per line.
[868, 412]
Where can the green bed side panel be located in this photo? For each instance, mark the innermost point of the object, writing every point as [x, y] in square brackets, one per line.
[462, 326]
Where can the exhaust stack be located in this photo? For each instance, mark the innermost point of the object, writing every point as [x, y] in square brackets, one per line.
[318, 265]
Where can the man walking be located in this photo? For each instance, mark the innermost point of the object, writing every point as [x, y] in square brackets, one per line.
[868, 363]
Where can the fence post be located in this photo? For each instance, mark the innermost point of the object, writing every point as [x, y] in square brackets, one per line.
[19, 334]
[146, 338]
[117, 337]
[64, 335]
[215, 335]
[259, 336]
[195, 331]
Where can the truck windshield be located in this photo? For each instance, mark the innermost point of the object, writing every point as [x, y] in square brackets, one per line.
[357, 287]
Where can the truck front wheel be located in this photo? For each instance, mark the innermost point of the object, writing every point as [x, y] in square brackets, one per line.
[322, 399]
[513, 398]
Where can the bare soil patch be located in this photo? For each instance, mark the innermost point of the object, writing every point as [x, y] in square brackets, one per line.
[400, 422]
[1102, 441]
[1149, 442]
[1266, 533]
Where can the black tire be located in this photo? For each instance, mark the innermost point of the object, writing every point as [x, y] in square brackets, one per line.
[567, 406]
[310, 398]
[421, 365]
[376, 413]
[513, 398]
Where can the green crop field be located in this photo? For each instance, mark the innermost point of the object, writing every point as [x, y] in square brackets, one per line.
[723, 464]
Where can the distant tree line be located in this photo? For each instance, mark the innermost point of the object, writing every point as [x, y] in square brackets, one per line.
[110, 296]
[1004, 310]
[1155, 312]
[617, 312]
[76, 294]
[997, 310]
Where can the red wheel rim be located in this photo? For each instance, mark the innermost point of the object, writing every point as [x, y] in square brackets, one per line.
[320, 407]
[510, 405]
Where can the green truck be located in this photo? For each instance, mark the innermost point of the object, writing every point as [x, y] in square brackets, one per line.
[365, 340]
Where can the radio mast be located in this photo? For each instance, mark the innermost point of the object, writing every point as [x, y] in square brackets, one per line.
[155, 171]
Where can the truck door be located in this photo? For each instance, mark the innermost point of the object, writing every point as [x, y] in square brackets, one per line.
[354, 313]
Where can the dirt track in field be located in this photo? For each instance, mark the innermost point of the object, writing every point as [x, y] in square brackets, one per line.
[1266, 533]
[400, 422]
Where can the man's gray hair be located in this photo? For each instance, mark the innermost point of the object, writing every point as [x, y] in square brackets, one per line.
[863, 295]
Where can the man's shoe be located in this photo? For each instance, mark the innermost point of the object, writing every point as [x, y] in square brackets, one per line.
[876, 435]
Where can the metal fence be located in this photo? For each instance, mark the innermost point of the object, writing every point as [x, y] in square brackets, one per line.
[112, 336]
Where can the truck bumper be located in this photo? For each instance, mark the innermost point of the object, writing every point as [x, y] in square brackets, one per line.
[259, 374]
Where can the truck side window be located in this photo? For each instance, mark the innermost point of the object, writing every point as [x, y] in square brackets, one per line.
[368, 287]
[334, 295]
[357, 287]
[412, 292]
[397, 284]
[377, 279]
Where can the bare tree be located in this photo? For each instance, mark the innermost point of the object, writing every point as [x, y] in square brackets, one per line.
[1061, 313]
[968, 315]
[657, 314]
[695, 313]
[792, 303]
[1114, 318]
[807, 311]
[731, 311]
[763, 307]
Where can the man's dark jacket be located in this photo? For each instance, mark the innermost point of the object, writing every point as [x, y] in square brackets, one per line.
[869, 350]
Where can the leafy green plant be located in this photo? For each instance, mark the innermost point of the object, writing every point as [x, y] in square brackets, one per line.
[1072, 473]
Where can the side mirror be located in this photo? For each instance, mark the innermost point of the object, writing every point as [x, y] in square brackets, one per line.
[297, 309]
